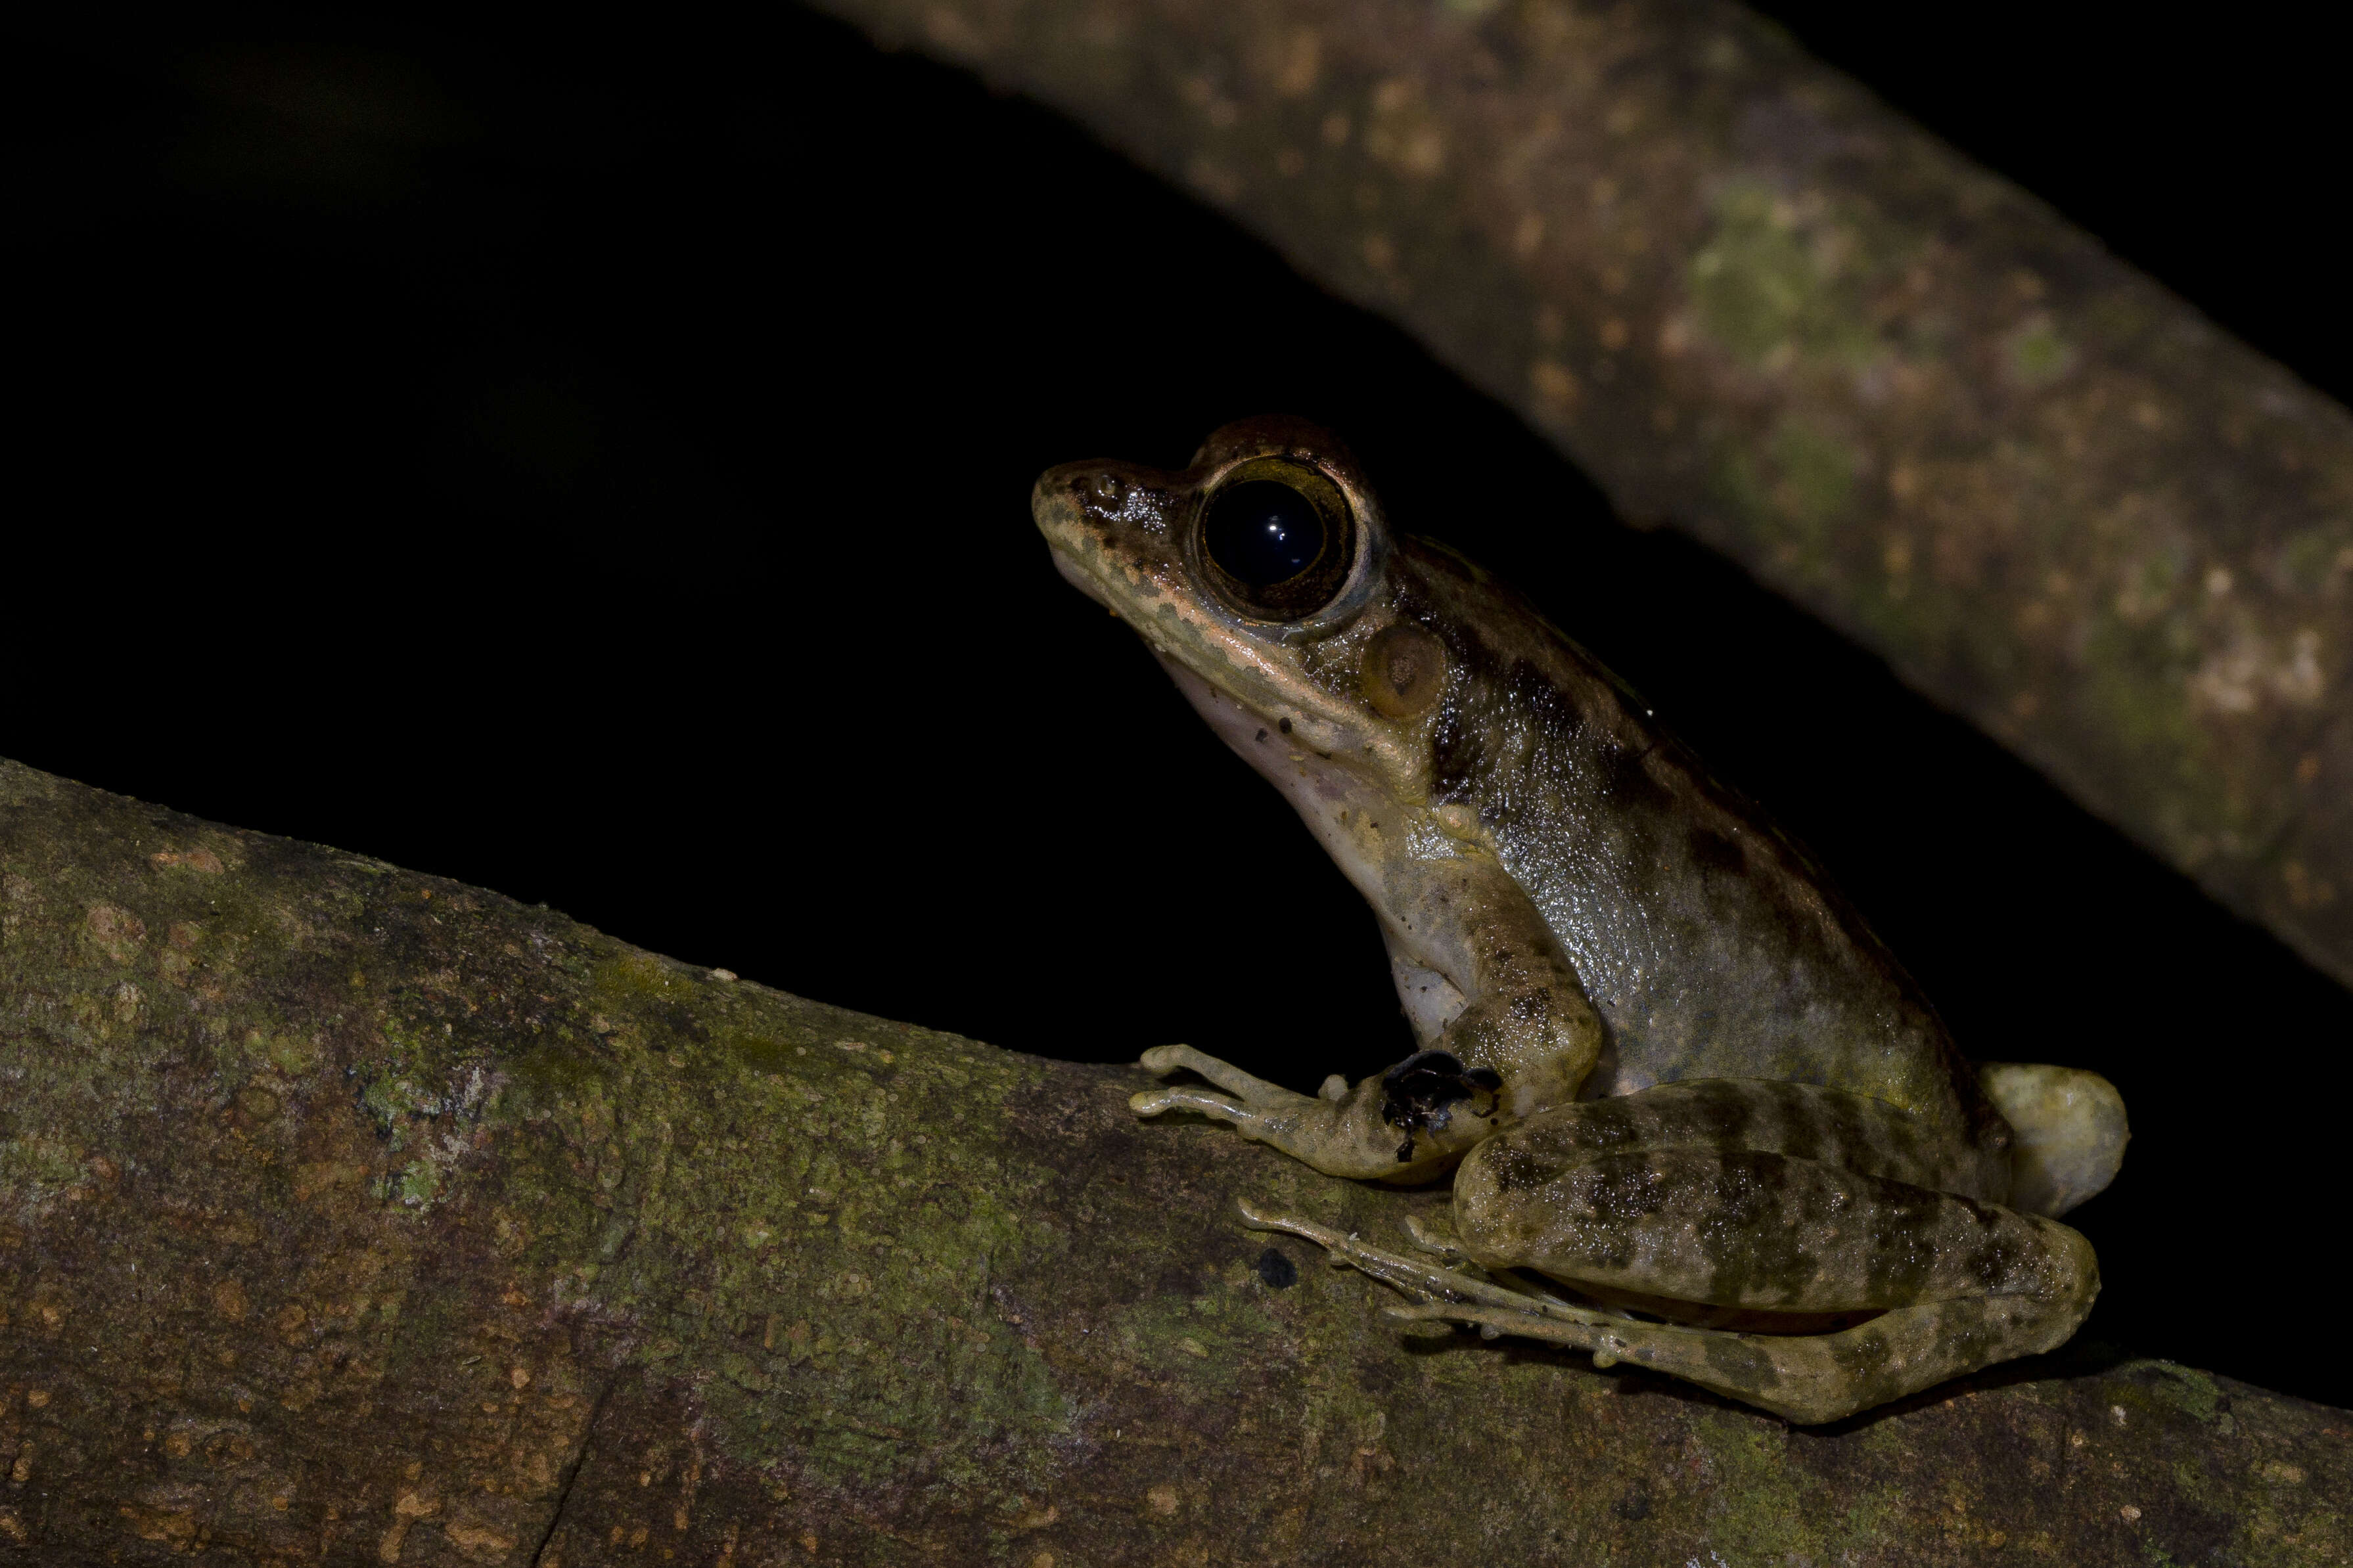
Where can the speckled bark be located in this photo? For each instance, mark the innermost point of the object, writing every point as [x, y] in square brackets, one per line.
[1750, 300]
[352, 1215]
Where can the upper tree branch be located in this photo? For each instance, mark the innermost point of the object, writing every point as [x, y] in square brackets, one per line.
[1750, 299]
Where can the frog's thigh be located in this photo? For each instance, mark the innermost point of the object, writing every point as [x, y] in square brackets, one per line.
[1741, 1227]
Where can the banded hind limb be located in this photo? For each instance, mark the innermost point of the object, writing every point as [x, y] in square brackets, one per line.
[1786, 1245]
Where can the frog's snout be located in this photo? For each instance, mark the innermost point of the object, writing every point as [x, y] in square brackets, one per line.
[1107, 523]
[1102, 497]
[1054, 499]
[1056, 504]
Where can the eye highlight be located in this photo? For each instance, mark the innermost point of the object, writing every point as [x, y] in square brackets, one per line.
[1276, 540]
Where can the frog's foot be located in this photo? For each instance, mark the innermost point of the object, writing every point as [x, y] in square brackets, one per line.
[1806, 1378]
[1248, 1093]
[1424, 1281]
[1321, 1131]
[1375, 1130]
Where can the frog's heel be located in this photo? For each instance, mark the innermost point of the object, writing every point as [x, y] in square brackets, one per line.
[1807, 1378]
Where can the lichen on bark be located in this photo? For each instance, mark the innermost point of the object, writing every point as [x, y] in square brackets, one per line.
[354, 1216]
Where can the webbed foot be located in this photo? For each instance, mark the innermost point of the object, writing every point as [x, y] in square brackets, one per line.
[1424, 1281]
[1248, 1094]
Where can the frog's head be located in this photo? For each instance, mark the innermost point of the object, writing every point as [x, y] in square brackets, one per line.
[1267, 581]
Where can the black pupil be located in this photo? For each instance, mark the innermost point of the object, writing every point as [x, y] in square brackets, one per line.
[1262, 532]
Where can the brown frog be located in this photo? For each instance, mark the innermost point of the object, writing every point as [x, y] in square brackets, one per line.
[1699, 1119]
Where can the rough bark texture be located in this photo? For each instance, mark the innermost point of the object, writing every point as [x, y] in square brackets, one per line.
[351, 1215]
[1751, 300]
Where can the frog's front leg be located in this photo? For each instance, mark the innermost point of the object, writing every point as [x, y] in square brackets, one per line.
[1521, 1042]
[1380, 1129]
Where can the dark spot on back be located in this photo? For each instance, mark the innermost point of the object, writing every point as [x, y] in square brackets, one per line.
[1283, 725]
[1631, 784]
[1634, 1507]
[1276, 1271]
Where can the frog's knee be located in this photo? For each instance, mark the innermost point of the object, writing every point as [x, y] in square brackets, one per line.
[1483, 1212]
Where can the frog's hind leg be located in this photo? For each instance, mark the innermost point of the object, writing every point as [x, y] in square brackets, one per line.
[1953, 1284]
[1806, 1378]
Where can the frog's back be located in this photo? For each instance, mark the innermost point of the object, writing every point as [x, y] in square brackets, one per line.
[1709, 942]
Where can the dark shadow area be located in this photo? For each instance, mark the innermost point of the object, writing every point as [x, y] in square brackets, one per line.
[600, 473]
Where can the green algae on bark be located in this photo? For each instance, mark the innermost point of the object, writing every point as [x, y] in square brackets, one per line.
[354, 1216]
[1752, 301]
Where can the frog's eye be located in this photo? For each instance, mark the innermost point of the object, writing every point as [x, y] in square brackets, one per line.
[1276, 540]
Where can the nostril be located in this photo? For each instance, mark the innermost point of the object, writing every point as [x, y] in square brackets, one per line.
[1105, 491]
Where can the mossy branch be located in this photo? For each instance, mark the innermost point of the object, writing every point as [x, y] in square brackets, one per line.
[352, 1215]
[1751, 300]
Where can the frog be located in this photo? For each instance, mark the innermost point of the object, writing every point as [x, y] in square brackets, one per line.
[1697, 1118]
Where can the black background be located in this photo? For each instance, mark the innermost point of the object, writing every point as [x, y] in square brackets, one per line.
[597, 469]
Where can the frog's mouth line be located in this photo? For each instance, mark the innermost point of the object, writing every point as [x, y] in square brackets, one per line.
[1241, 689]
[1172, 652]
[1078, 577]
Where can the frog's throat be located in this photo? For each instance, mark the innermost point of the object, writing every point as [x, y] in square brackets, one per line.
[1184, 634]
[1332, 796]
[1367, 829]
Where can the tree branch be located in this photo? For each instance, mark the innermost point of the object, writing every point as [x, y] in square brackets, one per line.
[352, 1215]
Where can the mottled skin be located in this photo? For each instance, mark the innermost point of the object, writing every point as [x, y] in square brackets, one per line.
[1677, 1072]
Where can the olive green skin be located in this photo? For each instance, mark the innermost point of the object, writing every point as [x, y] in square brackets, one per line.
[1688, 1078]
